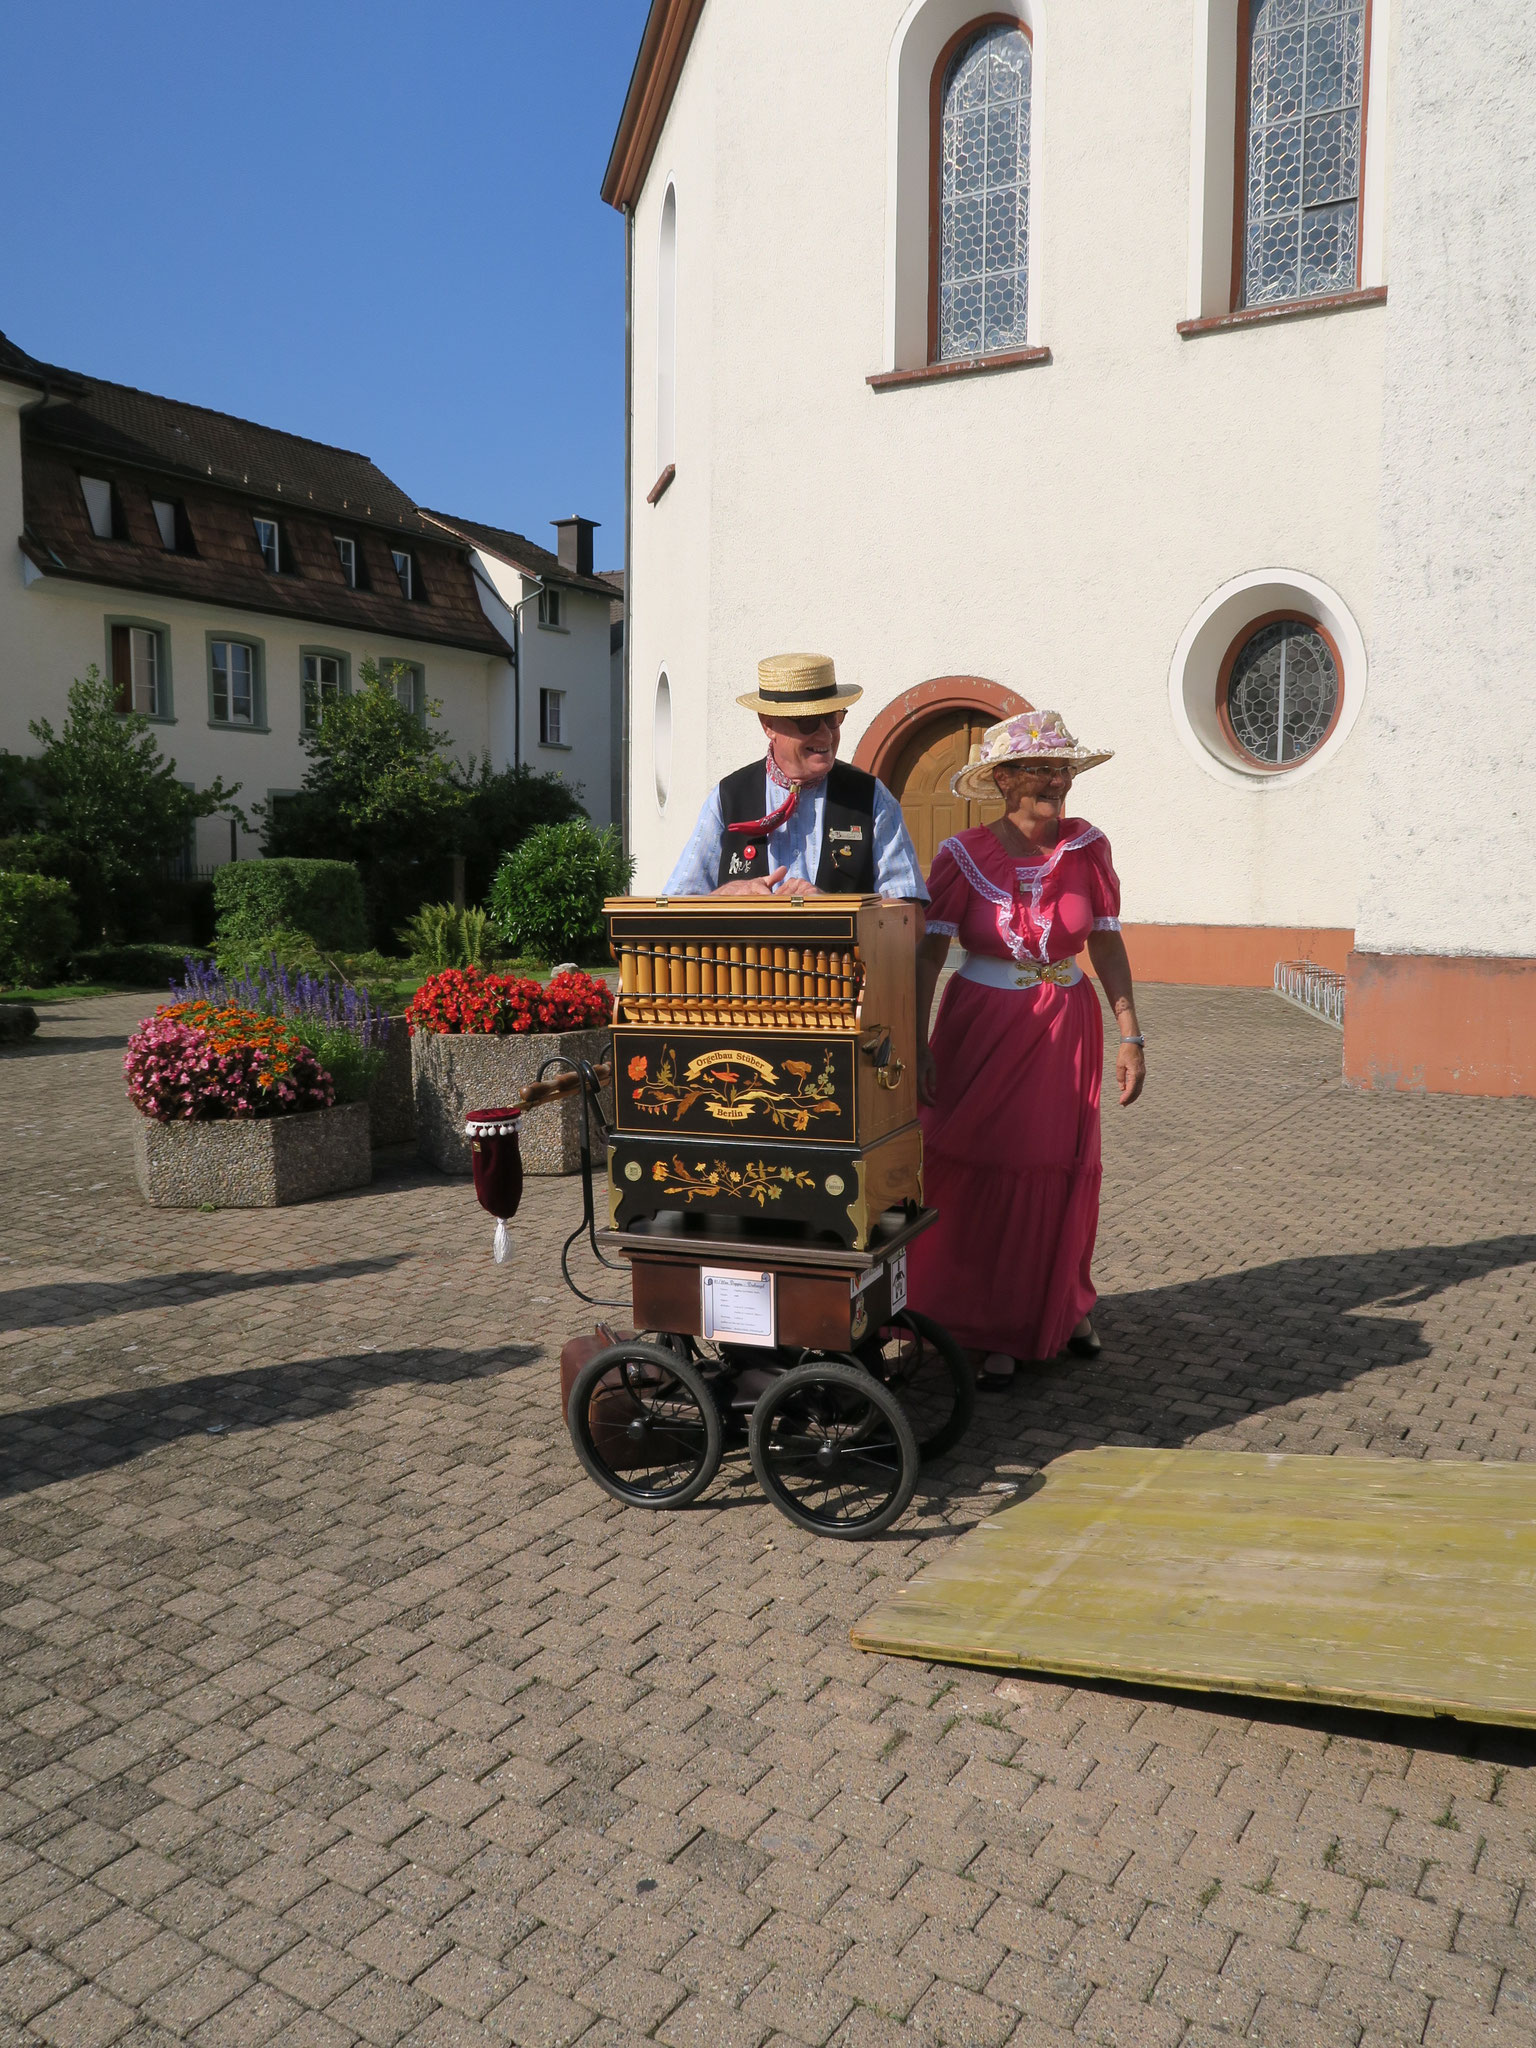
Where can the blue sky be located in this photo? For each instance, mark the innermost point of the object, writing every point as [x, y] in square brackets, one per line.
[373, 222]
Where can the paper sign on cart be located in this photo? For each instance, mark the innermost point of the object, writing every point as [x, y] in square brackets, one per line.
[898, 1283]
[738, 1307]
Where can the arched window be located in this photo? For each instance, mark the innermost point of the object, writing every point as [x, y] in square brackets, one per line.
[1302, 94]
[981, 154]
[1278, 696]
[666, 333]
[661, 740]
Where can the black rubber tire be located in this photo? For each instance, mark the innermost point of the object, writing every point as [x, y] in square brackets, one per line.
[936, 1433]
[659, 1393]
[829, 1433]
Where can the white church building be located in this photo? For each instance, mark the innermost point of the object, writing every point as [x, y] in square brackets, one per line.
[1168, 366]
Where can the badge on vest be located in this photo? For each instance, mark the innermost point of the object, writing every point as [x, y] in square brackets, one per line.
[853, 832]
[741, 863]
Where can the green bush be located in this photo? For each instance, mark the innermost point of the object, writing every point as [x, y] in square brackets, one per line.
[37, 928]
[323, 899]
[440, 936]
[141, 966]
[547, 898]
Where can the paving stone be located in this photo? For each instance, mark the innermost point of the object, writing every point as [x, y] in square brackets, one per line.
[370, 1697]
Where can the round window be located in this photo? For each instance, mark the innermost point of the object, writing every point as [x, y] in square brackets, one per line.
[661, 740]
[1279, 691]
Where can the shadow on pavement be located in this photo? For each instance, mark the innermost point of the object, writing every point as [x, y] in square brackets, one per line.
[42, 1045]
[61, 1304]
[70, 1439]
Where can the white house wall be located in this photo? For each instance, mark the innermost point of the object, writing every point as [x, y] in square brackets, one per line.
[1054, 528]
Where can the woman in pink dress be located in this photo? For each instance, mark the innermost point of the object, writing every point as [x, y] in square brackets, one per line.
[1011, 1083]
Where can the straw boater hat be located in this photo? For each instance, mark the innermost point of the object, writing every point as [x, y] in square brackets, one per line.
[1028, 737]
[798, 686]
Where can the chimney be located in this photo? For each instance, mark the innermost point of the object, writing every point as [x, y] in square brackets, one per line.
[575, 543]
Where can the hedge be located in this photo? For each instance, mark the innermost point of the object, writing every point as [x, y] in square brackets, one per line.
[139, 966]
[37, 927]
[547, 897]
[321, 898]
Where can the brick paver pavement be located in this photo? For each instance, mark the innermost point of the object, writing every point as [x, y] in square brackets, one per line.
[337, 1706]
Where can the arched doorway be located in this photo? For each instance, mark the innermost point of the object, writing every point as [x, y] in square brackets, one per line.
[921, 739]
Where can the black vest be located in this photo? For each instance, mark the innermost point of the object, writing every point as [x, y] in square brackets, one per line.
[848, 843]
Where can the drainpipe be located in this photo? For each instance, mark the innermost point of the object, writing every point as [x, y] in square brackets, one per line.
[517, 670]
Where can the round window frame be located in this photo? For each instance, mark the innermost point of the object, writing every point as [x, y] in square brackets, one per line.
[1293, 616]
[663, 794]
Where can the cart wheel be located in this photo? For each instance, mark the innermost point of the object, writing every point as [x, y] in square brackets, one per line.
[645, 1425]
[832, 1449]
[929, 1374]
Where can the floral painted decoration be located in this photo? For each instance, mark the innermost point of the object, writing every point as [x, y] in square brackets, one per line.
[205, 1062]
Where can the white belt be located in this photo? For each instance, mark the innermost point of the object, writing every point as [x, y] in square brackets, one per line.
[994, 973]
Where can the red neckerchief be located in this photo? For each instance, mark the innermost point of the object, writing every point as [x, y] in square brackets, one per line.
[776, 818]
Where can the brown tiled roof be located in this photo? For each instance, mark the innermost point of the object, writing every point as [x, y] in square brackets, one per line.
[17, 367]
[225, 471]
[517, 549]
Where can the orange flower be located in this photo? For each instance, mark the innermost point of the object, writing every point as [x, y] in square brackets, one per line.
[637, 1067]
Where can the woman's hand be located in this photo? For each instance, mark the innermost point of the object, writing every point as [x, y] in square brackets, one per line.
[1130, 1072]
[927, 1078]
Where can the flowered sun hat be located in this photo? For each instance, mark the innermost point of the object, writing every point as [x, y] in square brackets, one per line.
[1027, 737]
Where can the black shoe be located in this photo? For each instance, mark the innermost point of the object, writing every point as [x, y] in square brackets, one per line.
[1085, 1346]
[997, 1381]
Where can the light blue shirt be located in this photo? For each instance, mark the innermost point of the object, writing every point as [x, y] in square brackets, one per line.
[797, 844]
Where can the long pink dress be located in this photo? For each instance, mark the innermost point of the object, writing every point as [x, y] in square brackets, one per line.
[1011, 1148]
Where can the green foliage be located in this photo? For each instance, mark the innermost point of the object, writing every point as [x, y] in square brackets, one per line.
[352, 1066]
[323, 899]
[35, 853]
[500, 810]
[21, 802]
[377, 791]
[37, 927]
[136, 966]
[547, 898]
[440, 936]
[103, 788]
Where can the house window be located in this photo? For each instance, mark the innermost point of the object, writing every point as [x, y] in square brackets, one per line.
[101, 508]
[138, 671]
[1278, 695]
[1304, 136]
[346, 551]
[551, 710]
[405, 569]
[234, 682]
[408, 681]
[982, 158]
[322, 680]
[165, 518]
[549, 607]
[269, 541]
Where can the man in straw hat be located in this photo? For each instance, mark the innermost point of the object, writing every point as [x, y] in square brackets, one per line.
[799, 819]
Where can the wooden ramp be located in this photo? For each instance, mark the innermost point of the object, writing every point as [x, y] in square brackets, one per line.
[1365, 1582]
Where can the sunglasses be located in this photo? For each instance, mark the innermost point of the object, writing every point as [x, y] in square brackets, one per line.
[806, 727]
[1046, 771]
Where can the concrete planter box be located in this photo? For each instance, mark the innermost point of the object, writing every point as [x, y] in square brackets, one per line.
[391, 1102]
[261, 1164]
[456, 1072]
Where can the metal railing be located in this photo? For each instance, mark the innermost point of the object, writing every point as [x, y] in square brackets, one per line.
[1319, 990]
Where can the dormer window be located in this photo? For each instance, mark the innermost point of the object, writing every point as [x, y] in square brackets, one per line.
[405, 569]
[101, 508]
[269, 540]
[171, 519]
[346, 554]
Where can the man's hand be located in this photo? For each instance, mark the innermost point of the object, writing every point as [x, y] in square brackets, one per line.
[756, 885]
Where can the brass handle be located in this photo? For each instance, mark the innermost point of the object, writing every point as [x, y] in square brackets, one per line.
[889, 1076]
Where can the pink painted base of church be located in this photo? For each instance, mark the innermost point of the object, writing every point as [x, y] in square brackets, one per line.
[1440, 1024]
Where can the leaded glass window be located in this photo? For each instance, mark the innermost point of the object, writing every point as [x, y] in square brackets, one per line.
[984, 196]
[1283, 692]
[1306, 83]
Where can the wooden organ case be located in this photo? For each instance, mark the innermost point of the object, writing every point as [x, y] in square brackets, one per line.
[764, 1061]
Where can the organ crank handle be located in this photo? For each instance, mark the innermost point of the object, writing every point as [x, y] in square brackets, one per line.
[888, 1069]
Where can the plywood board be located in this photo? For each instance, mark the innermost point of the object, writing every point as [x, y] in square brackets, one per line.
[1367, 1582]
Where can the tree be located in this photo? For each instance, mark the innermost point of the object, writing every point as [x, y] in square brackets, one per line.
[501, 808]
[114, 803]
[379, 791]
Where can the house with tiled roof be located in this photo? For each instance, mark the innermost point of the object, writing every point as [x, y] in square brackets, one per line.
[230, 578]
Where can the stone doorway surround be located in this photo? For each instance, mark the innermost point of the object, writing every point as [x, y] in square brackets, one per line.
[919, 741]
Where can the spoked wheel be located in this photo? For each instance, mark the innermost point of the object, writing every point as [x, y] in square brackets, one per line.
[645, 1425]
[929, 1374]
[832, 1450]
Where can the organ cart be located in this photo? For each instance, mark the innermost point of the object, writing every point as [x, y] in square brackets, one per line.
[764, 1184]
